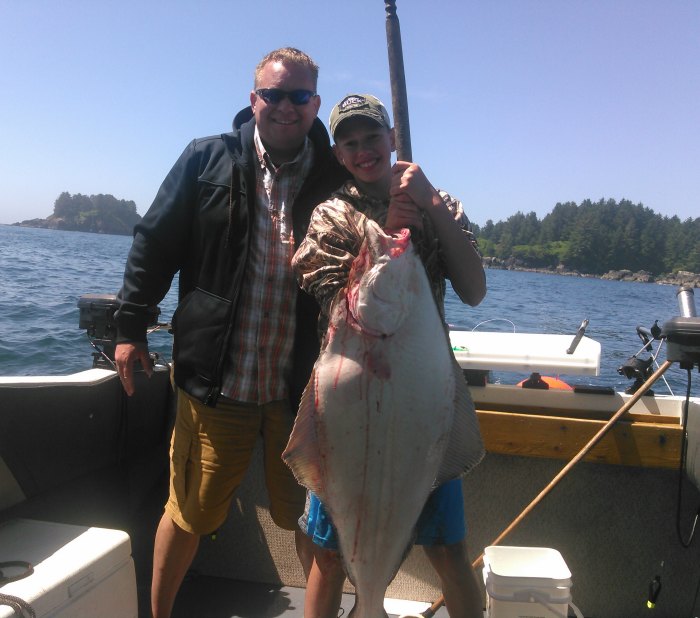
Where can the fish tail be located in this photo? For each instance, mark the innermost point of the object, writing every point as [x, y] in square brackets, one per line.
[368, 607]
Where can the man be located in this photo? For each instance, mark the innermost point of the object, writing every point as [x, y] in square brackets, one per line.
[228, 217]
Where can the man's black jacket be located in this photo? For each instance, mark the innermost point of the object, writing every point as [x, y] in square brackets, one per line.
[199, 225]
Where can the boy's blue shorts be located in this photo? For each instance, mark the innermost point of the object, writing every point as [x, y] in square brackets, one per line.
[441, 522]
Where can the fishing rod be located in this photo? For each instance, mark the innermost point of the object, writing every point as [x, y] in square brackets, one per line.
[399, 99]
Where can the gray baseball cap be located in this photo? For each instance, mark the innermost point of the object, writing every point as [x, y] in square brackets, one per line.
[354, 105]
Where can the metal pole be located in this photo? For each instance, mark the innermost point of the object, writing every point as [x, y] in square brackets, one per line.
[399, 99]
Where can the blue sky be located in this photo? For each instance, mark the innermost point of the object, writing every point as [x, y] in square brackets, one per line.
[514, 105]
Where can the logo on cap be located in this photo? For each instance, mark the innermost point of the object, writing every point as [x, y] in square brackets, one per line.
[354, 101]
[353, 105]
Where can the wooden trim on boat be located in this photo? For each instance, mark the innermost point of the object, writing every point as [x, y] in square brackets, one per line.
[631, 443]
[582, 412]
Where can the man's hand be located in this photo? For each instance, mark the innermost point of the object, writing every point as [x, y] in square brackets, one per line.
[125, 354]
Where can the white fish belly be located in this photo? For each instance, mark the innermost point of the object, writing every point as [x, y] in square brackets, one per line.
[386, 416]
[384, 412]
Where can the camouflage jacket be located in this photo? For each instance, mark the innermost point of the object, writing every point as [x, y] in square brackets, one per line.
[322, 262]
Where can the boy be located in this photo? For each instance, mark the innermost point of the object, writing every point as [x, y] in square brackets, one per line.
[395, 196]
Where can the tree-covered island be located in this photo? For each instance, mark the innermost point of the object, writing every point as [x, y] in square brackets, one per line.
[605, 238]
[102, 214]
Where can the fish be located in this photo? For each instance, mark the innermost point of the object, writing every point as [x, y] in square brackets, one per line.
[386, 416]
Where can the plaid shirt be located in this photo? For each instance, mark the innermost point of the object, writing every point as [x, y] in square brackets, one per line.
[259, 360]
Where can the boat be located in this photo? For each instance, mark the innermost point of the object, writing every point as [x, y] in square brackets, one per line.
[84, 474]
[76, 451]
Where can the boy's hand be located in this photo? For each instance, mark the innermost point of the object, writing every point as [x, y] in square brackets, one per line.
[403, 212]
[408, 179]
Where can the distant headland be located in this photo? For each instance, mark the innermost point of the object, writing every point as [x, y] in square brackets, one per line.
[101, 214]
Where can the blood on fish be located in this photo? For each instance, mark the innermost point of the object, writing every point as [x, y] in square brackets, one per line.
[338, 374]
[377, 363]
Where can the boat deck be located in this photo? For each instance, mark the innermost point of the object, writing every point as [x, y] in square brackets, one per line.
[203, 595]
[104, 463]
[217, 597]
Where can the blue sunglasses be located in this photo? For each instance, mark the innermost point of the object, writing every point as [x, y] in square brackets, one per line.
[273, 96]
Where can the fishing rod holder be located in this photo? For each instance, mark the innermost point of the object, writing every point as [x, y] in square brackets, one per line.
[681, 335]
[97, 318]
[686, 301]
[639, 370]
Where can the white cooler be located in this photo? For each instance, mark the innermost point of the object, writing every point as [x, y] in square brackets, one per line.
[79, 572]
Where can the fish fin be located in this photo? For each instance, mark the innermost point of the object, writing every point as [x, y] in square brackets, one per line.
[302, 452]
[465, 448]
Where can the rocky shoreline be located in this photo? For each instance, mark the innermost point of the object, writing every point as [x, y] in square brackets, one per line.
[678, 278]
[93, 225]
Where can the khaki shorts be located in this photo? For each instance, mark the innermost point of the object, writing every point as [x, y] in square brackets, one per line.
[210, 452]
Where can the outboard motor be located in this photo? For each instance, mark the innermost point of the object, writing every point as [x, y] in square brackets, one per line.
[97, 318]
[683, 333]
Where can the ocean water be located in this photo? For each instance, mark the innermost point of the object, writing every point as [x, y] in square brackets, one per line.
[42, 275]
[44, 272]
